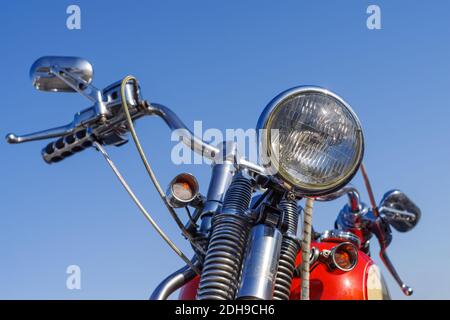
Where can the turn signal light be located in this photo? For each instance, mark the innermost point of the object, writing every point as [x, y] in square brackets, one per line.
[344, 256]
[182, 190]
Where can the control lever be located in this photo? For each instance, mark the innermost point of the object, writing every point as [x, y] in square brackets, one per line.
[109, 129]
[380, 227]
[383, 232]
[81, 119]
[40, 135]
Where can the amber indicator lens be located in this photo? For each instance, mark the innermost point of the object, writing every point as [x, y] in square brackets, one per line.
[182, 190]
[345, 256]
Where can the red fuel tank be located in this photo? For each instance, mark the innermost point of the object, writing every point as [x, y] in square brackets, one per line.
[335, 285]
[363, 282]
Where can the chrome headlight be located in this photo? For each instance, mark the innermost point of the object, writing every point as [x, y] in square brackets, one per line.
[311, 139]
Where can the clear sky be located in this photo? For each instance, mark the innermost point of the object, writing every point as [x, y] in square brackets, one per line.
[220, 62]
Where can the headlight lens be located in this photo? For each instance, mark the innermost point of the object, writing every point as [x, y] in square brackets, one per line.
[312, 139]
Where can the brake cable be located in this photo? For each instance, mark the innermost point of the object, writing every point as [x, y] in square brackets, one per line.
[172, 245]
[369, 190]
[306, 247]
[147, 164]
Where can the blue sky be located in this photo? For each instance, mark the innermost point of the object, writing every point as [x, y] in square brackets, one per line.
[220, 62]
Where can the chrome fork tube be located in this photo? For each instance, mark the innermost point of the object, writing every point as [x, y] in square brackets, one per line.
[260, 264]
[221, 177]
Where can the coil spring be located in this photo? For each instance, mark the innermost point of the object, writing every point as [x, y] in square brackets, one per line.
[288, 253]
[230, 229]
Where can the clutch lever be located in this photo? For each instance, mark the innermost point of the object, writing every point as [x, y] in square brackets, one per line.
[81, 119]
[40, 135]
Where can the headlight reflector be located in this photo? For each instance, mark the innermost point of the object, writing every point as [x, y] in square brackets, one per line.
[311, 139]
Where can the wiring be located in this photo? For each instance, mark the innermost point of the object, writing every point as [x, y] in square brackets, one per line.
[369, 190]
[143, 210]
[147, 164]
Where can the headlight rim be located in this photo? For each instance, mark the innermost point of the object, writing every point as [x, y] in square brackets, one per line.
[288, 183]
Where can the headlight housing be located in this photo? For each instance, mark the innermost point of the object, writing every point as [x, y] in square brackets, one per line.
[311, 139]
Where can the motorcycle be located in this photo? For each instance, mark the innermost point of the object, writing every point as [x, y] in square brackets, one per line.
[245, 231]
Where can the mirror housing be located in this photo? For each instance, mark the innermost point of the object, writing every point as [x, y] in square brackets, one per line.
[399, 211]
[47, 72]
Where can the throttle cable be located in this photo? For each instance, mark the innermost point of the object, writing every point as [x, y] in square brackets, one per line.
[99, 147]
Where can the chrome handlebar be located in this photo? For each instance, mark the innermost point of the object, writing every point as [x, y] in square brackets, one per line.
[91, 124]
[174, 123]
[108, 126]
[352, 194]
[196, 144]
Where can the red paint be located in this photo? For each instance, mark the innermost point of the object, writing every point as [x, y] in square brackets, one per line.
[335, 285]
[324, 284]
[189, 290]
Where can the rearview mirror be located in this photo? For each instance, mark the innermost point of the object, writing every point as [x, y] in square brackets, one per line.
[399, 211]
[47, 73]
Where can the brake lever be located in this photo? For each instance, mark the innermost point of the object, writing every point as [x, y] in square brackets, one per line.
[383, 232]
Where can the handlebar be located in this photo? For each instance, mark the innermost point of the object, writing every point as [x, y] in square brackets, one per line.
[352, 194]
[109, 128]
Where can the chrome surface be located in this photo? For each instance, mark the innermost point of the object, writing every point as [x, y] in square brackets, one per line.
[381, 229]
[353, 252]
[289, 248]
[173, 196]
[172, 283]
[399, 211]
[230, 228]
[196, 144]
[221, 177]
[70, 144]
[175, 123]
[353, 197]
[40, 135]
[272, 164]
[43, 78]
[368, 224]
[339, 236]
[67, 74]
[227, 221]
[103, 128]
[329, 256]
[350, 221]
[105, 119]
[260, 263]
